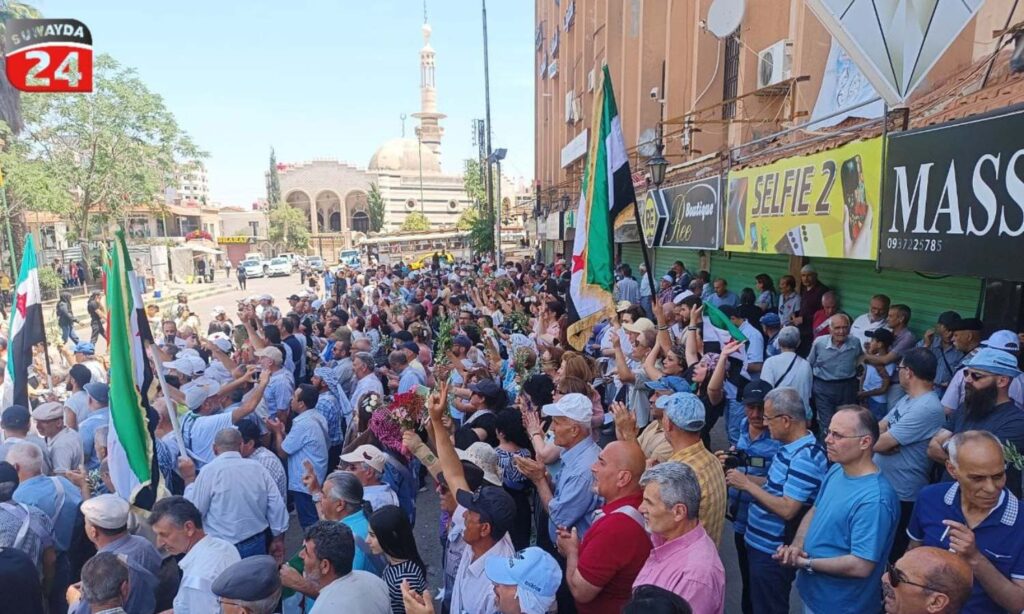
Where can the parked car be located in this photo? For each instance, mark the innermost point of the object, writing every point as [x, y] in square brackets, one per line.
[350, 257]
[316, 263]
[253, 268]
[279, 266]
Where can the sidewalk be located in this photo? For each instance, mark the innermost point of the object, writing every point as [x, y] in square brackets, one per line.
[168, 296]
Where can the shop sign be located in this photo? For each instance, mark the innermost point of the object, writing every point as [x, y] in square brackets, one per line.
[554, 229]
[693, 213]
[233, 240]
[575, 149]
[954, 198]
[824, 204]
[653, 217]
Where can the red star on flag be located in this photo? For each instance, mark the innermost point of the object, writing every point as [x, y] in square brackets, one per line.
[21, 303]
[577, 262]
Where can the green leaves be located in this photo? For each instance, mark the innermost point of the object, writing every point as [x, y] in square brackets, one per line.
[288, 227]
[416, 221]
[376, 204]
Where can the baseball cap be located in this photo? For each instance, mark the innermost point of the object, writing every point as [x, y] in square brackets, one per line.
[366, 453]
[411, 346]
[293, 297]
[968, 324]
[198, 391]
[948, 318]
[84, 347]
[15, 417]
[48, 411]
[106, 511]
[771, 320]
[484, 456]
[462, 340]
[882, 334]
[991, 360]
[494, 505]
[487, 388]
[182, 365]
[641, 325]
[668, 383]
[272, 353]
[531, 570]
[1005, 340]
[98, 391]
[684, 409]
[754, 392]
[574, 406]
[622, 306]
[222, 341]
[217, 311]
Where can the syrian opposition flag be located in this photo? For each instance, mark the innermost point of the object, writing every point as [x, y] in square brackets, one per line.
[717, 330]
[26, 328]
[130, 445]
[607, 190]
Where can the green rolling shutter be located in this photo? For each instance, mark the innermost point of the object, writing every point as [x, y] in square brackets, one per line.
[739, 269]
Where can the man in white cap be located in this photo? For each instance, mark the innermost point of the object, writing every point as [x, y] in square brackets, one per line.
[106, 526]
[238, 498]
[367, 463]
[221, 366]
[205, 418]
[64, 445]
[569, 500]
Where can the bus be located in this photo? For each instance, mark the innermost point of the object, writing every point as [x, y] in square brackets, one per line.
[350, 257]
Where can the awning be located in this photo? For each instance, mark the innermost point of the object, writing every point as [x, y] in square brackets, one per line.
[202, 249]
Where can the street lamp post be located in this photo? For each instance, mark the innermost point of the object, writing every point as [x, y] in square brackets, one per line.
[658, 163]
[496, 157]
[487, 119]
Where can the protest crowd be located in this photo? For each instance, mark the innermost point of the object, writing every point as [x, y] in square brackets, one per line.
[575, 472]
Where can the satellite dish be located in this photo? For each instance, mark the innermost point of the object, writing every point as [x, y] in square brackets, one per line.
[646, 144]
[725, 16]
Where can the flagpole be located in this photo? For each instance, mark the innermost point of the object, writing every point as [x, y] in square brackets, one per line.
[172, 408]
[7, 228]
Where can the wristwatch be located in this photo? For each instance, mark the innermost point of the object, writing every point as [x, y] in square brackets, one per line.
[807, 565]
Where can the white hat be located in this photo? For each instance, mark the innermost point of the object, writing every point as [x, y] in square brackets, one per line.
[198, 364]
[198, 391]
[807, 269]
[266, 297]
[222, 341]
[182, 365]
[371, 455]
[272, 353]
[483, 456]
[574, 406]
[641, 325]
[217, 311]
[106, 511]
[184, 352]
[679, 298]
[1005, 340]
[48, 411]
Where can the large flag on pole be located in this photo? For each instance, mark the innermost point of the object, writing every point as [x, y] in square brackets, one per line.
[130, 448]
[607, 189]
[26, 328]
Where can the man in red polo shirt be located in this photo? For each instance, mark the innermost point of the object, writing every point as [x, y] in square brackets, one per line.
[600, 570]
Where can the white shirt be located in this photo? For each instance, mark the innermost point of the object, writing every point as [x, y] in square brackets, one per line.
[78, 402]
[99, 374]
[379, 495]
[755, 347]
[357, 591]
[799, 377]
[65, 450]
[370, 384]
[237, 498]
[199, 568]
[473, 591]
[863, 324]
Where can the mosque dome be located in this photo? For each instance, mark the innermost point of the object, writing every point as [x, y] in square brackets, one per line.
[404, 155]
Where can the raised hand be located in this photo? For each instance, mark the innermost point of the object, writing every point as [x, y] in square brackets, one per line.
[625, 422]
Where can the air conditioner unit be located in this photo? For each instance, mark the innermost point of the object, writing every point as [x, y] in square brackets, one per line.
[590, 80]
[774, 64]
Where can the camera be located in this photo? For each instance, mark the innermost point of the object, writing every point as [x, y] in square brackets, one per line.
[739, 458]
[654, 93]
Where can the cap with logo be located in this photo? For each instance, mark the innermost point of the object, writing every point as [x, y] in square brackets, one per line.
[530, 569]
[1005, 340]
[754, 392]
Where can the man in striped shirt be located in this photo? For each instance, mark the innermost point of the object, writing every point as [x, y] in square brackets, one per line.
[780, 499]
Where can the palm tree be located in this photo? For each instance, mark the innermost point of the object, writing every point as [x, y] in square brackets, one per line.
[10, 109]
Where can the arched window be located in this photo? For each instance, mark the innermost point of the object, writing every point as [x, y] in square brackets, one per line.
[360, 222]
[336, 222]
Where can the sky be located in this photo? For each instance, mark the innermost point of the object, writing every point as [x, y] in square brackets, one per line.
[319, 79]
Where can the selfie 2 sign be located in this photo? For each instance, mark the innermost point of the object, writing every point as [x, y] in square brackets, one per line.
[48, 55]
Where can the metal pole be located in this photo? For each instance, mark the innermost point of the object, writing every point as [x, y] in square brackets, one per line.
[497, 219]
[7, 228]
[419, 150]
[487, 119]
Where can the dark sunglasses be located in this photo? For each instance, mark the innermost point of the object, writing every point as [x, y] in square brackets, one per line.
[976, 375]
[897, 577]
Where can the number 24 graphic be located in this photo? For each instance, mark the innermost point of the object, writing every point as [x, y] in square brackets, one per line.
[66, 71]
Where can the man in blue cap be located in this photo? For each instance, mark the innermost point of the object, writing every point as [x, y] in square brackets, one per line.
[987, 406]
[683, 421]
[85, 354]
[652, 437]
[99, 416]
[526, 582]
[772, 324]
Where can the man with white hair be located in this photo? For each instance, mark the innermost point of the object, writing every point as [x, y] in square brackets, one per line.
[367, 463]
[238, 499]
[367, 381]
[59, 500]
[684, 560]
[834, 359]
[787, 369]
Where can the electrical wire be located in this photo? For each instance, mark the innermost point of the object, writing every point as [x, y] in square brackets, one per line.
[714, 75]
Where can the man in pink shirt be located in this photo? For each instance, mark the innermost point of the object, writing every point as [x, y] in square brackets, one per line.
[684, 559]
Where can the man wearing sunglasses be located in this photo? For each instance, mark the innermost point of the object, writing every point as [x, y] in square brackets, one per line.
[987, 406]
[926, 581]
[979, 519]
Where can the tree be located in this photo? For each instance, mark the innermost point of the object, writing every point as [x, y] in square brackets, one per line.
[288, 228]
[467, 219]
[480, 219]
[416, 221]
[273, 182]
[376, 204]
[111, 150]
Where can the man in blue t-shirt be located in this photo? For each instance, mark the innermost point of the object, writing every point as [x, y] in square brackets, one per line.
[978, 518]
[842, 544]
[779, 499]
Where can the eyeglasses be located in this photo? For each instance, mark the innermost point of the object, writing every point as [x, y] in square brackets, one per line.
[976, 375]
[770, 418]
[835, 435]
[897, 577]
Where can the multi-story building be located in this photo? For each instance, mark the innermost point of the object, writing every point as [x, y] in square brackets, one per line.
[775, 88]
[193, 184]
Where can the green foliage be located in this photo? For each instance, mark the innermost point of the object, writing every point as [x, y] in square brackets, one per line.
[49, 281]
[376, 204]
[288, 228]
[467, 219]
[480, 219]
[273, 181]
[416, 221]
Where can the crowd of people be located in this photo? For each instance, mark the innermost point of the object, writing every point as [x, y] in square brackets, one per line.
[867, 468]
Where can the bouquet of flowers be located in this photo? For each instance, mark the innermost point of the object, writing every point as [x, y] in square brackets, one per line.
[370, 403]
[444, 341]
[407, 409]
[518, 322]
